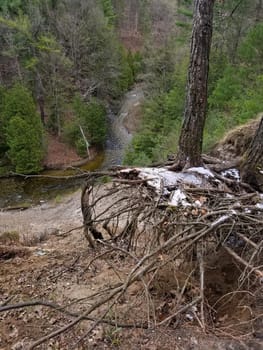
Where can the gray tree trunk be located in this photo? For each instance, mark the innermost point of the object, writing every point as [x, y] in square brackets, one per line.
[191, 138]
[252, 167]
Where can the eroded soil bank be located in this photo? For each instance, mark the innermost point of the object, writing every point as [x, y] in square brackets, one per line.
[51, 263]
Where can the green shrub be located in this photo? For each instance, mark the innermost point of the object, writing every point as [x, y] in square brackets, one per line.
[81, 147]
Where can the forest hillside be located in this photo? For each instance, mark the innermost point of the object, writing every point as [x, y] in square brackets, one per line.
[72, 61]
[148, 232]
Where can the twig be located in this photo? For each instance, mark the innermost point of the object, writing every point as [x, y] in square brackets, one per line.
[202, 282]
[233, 293]
[235, 8]
[64, 234]
[94, 325]
[77, 320]
[180, 311]
[132, 182]
[7, 301]
[243, 262]
[66, 312]
[96, 258]
[247, 240]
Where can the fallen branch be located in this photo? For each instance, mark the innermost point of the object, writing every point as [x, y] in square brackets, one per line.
[61, 309]
[258, 272]
[180, 311]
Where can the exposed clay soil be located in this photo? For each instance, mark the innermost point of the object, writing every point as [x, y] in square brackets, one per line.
[53, 266]
[59, 153]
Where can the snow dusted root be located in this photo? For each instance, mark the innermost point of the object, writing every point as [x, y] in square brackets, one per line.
[177, 228]
[145, 209]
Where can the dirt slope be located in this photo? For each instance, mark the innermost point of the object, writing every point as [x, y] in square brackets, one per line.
[61, 269]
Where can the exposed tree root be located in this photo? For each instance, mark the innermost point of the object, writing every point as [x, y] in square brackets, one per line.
[171, 246]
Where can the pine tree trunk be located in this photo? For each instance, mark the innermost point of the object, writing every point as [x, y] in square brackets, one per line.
[252, 167]
[191, 138]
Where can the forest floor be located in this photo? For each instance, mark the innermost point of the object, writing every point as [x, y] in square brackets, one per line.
[41, 260]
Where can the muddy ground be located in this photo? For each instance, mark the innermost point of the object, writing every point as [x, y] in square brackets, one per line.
[41, 260]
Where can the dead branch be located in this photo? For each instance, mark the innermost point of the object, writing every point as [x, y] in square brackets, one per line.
[62, 309]
[131, 218]
[180, 311]
[96, 323]
[77, 320]
[202, 282]
[7, 300]
[258, 272]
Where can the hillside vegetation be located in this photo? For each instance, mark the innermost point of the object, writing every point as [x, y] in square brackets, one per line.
[66, 59]
[74, 60]
[235, 82]
[167, 256]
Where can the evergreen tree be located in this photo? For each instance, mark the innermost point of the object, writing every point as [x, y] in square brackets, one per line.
[23, 130]
[25, 148]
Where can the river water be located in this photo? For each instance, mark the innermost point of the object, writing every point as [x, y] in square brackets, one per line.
[20, 191]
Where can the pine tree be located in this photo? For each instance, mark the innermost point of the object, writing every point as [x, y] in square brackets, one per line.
[23, 130]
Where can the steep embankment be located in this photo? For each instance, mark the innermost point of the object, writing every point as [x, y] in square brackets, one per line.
[59, 154]
[236, 142]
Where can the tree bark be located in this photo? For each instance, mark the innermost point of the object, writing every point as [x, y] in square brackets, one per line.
[252, 167]
[191, 138]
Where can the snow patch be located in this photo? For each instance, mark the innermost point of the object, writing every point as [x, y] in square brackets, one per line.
[259, 205]
[162, 178]
[166, 182]
[198, 204]
[220, 220]
[201, 171]
[178, 198]
[232, 173]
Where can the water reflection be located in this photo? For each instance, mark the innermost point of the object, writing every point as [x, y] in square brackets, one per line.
[17, 191]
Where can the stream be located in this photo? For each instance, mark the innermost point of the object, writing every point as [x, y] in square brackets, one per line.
[20, 191]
